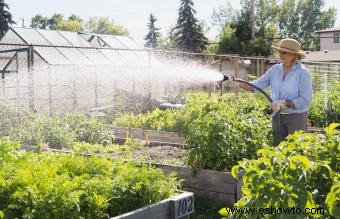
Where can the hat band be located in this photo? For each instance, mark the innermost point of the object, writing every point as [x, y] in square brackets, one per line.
[288, 49]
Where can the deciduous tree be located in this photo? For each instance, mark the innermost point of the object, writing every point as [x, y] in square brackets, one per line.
[103, 25]
[39, 21]
[70, 25]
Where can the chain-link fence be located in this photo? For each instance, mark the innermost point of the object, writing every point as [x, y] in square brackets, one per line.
[52, 79]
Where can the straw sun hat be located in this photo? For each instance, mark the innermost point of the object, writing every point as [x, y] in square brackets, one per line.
[289, 45]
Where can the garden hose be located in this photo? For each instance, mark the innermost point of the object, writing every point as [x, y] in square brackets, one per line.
[227, 78]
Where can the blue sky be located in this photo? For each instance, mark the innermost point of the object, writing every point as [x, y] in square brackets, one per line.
[132, 14]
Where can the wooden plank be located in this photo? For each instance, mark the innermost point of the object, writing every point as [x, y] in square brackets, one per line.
[165, 209]
[227, 199]
[159, 210]
[152, 135]
[208, 180]
[221, 188]
[213, 176]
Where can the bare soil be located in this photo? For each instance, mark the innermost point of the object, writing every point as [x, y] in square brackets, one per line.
[162, 154]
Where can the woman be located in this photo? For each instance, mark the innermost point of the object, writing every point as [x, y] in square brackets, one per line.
[291, 90]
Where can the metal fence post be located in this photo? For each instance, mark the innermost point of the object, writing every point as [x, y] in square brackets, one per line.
[74, 90]
[221, 70]
[236, 71]
[95, 90]
[30, 63]
[325, 77]
[18, 84]
[50, 89]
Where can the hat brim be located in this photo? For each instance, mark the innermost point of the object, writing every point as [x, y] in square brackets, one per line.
[300, 53]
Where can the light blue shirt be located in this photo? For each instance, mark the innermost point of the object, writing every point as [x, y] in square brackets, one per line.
[297, 86]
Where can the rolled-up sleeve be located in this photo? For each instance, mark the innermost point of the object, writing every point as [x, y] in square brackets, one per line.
[305, 91]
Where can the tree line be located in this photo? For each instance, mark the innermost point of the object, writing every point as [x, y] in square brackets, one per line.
[100, 25]
[249, 30]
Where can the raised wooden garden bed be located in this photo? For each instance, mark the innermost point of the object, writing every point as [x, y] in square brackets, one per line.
[219, 186]
[180, 206]
[151, 137]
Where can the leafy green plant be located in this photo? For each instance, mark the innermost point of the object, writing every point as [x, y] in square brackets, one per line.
[321, 115]
[7, 149]
[137, 187]
[62, 132]
[50, 130]
[89, 130]
[333, 200]
[10, 119]
[220, 137]
[180, 120]
[298, 173]
[50, 185]
[112, 149]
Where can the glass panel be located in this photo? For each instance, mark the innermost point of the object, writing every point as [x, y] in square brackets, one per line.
[115, 57]
[11, 37]
[54, 38]
[75, 55]
[75, 39]
[114, 43]
[128, 42]
[132, 58]
[6, 58]
[52, 55]
[96, 57]
[31, 36]
[86, 36]
[336, 37]
[144, 56]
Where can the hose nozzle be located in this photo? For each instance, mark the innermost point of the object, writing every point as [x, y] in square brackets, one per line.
[227, 78]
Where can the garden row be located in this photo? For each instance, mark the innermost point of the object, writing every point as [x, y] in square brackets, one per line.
[220, 132]
[52, 185]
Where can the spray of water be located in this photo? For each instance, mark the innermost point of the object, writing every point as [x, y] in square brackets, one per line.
[82, 87]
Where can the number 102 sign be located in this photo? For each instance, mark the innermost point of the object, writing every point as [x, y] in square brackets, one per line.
[182, 206]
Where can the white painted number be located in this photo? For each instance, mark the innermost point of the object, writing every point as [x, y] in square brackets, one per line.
[185, 206]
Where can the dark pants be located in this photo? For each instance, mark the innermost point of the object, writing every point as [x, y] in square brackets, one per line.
[284, 124]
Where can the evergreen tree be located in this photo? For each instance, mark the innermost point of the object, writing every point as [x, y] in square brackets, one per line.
[153, 35]
[5, 18]
[188, 33]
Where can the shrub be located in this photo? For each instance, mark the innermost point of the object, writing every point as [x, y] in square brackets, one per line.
[219, 136]
[59, 132]
[180, 120]
[321, 115]
[298, 173]
[50, 130]
[9, 119]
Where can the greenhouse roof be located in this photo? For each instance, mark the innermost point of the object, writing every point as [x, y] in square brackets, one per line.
[62, 47]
